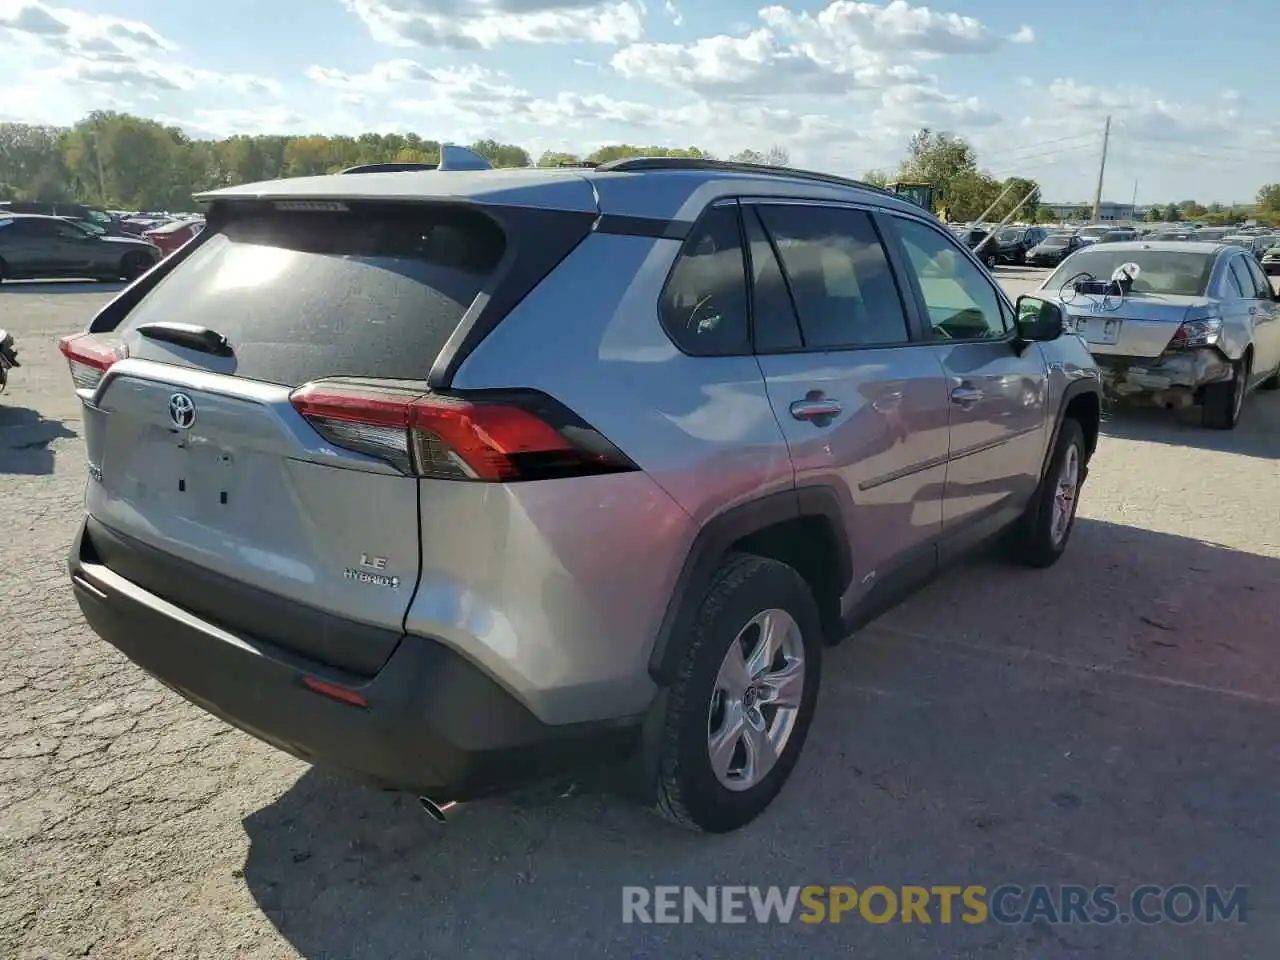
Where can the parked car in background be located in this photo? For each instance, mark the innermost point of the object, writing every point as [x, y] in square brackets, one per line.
[170, 236]
[79, 212]
[1119, 235]
[1212, 234]
[35, 247]
[973, 237]
[439, 531]
[1094, 232]
[1051, 251]
[1012, 244]
[1271, 260]
[1199, 324]
[1169, 235]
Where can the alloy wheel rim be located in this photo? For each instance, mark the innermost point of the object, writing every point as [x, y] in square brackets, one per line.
[755, 702]
[1238, 400]
[1064, 494]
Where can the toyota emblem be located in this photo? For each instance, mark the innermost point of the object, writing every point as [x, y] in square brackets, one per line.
[182, 411]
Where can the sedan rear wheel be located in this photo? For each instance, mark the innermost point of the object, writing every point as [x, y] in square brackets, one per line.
[1224, 401]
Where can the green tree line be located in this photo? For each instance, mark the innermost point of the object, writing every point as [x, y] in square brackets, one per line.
[125, 162]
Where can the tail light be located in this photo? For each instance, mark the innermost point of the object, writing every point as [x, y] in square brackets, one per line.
[1198, 332]
[492, 438]
[89, 358]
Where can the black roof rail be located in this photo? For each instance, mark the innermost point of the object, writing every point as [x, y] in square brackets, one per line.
[391, 167]
[642, 164]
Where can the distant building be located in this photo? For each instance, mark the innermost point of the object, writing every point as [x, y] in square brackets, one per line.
[1107, 210]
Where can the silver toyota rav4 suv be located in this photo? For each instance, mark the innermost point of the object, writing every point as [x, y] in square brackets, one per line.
[459, 479]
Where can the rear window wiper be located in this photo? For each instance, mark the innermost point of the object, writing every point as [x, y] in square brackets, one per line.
[188, 335]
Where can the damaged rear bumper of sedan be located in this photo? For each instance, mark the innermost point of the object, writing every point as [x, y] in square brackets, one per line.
[1173, 381]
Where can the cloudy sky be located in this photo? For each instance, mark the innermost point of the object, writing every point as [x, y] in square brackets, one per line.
[840, 84]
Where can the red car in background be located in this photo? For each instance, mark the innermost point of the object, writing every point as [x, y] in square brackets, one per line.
[171, 236]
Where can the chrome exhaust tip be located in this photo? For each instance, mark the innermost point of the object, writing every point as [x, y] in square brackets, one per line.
[436, 811]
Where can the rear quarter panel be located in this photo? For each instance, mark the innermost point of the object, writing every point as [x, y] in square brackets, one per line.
[700, 428]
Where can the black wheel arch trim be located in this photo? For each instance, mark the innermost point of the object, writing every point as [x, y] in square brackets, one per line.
[716, 538]
[1076, 388]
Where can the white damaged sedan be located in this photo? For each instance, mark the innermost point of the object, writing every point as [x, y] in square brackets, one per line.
[1174, 323]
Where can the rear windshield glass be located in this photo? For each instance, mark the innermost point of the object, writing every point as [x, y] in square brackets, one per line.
[303, 295]
[1159, 271]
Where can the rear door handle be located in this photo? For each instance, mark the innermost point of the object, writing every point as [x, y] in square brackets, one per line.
[814, 409]
[966, 395]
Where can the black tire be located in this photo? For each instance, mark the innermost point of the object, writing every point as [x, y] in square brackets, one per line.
[3, 269]
[1222, 403]
[990, 260]
[1033, 541]
[687, 790]
[1271, 383]
[134, 265]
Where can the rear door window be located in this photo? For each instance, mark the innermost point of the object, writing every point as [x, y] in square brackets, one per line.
[1242, 283]
[839, 276]
[777, 328]
[306, 294]
[1260, 282]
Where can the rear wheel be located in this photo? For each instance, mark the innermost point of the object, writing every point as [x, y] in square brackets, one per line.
[3, 269]
[1223, 402]
[990, 260]
[740, 707]
[135, 265]
[1271, 383]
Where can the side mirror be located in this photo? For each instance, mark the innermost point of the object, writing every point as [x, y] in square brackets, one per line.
[1038, 321]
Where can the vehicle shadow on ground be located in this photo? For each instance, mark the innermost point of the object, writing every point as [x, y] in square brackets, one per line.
[1258, 434]
[1134, 736]
[25, 436]
[47, 287]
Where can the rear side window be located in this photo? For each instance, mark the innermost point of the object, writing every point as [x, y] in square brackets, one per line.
[704, 305]
[839, 276]
[303, 295]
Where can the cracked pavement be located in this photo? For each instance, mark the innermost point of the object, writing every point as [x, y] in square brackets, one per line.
[1114, 720]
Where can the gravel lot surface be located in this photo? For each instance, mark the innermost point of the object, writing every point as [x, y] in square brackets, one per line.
[1115, 720]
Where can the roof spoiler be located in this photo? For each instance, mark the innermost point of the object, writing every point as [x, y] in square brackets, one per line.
[451, 158]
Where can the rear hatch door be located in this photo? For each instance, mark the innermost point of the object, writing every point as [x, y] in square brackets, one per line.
[209, 488]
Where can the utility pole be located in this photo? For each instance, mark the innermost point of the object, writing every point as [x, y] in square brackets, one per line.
[1133, 204]
[1102, 169]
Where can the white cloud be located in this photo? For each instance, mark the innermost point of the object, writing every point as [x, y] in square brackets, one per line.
[381, 76]
[40, 26]
[97, 60]
[674, 13]
[895, 27]
[845, 47]
[142, 74]
[483, 24]
[471, 102]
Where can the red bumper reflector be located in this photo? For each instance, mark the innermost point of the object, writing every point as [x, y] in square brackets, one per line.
[341, 694]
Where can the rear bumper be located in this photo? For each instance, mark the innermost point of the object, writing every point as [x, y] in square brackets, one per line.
[1176, 378]
[434, 723]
